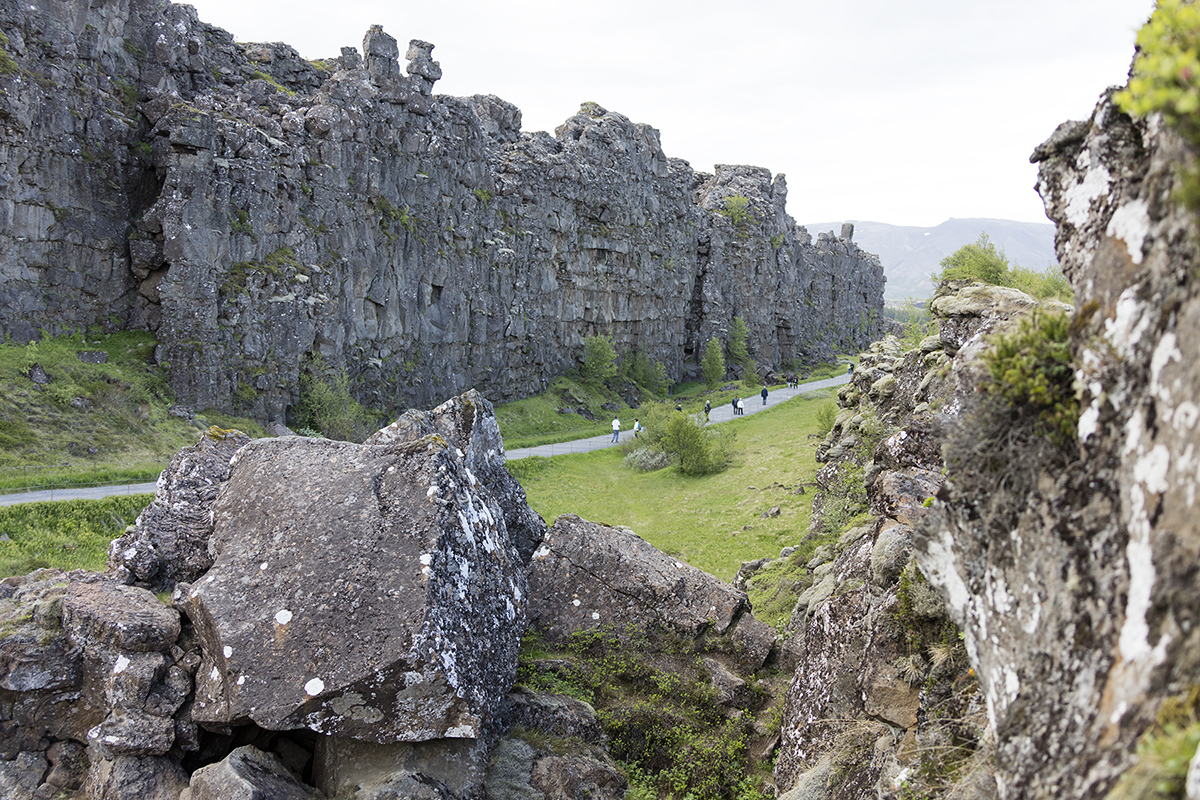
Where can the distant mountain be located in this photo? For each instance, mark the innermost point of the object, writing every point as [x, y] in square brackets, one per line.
[911, 254]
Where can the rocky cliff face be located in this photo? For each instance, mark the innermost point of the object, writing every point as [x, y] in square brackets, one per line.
[1067, 565]
[259, 212]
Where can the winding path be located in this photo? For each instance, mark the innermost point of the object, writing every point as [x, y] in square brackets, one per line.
[721, 413]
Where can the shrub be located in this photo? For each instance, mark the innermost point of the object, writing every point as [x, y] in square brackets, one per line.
[1031, 370]
[700, 450]
[750, 375]
[645, 372]
[712, 368]
[1165, 78]
[826, 415]
[981, 261]
[684, 439]
[645, 459]
[326, 405]
[599, 359]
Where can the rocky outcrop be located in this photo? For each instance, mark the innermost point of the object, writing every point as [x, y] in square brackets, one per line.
[882, 702]
[267, 216]
[587, 576]
[1079, 619]
[1068, 566]
[354, 632]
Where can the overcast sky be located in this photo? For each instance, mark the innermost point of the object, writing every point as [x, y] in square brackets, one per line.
[884, 110]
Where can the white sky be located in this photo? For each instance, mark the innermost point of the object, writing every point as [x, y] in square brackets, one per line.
[901, 112]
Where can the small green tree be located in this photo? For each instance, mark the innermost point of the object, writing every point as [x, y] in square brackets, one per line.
[712, 368]
[326, 405]
[599, 359]
[738, 333]
[979, 261]
[647, 373]
[750, 376]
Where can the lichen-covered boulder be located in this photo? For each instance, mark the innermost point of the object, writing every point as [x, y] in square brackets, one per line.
[365, 591]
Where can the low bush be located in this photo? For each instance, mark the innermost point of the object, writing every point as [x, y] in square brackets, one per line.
[826, 416]
[684, 439]
[981, 261]
[1032, 372]
[327, 405]
[644, 459]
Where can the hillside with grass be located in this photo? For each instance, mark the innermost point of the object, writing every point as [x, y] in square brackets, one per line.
[89, 410]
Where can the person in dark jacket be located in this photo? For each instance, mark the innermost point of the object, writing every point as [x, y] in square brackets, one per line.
[764, 395]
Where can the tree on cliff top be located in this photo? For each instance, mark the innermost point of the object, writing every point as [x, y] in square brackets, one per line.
[981, 261]
[712, 368]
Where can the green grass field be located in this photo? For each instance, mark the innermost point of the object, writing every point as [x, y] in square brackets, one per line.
[67, 534]
[714, 522]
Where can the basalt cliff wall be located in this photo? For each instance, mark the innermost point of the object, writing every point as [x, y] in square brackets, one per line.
[260, 212]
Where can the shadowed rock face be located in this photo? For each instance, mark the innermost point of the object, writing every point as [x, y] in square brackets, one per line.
[256, 210]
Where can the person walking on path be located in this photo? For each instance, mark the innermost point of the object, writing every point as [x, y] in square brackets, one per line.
[707, 409]
[616, 429]
[735, 399]
[637, 427]
[741, 407]
[764, 395]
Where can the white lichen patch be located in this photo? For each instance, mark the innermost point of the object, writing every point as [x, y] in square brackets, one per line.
[541, 552]
[1126, 328]
[426, 559]
[241, 680]
[1166, 352]
[283, 617]
[228, 651]
[1134, 641]
[121, 665]
[595, 615]
[1131, 223]
[1089, 421]
[314, 687]
[1095, 183]
[1151, 469]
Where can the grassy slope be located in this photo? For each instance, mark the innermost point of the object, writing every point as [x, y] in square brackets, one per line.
[712, 522]
[91, 423]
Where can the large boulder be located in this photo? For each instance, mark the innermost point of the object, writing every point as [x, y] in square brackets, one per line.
[365, 591]
[590, 576]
